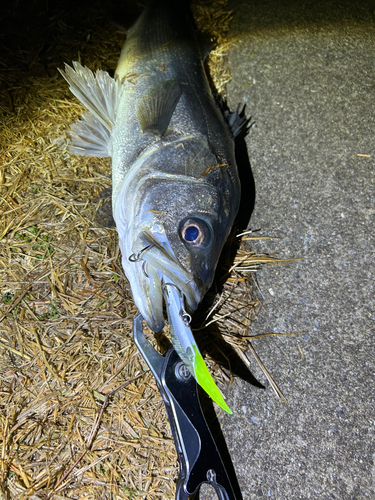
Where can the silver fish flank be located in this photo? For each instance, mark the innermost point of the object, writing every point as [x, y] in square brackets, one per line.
[175, 189]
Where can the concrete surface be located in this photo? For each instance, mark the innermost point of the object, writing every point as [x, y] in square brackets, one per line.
[307, 74]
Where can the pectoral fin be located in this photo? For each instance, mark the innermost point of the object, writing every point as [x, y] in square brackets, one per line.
[155, 109]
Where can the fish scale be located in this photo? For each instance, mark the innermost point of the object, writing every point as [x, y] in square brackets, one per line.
[151, 47]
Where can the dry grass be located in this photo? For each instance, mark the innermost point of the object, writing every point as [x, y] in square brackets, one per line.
[81, 417]
[214, 18]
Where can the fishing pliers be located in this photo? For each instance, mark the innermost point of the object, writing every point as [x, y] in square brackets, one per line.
[198, 454]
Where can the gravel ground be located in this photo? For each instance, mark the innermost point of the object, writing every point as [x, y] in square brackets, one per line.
[306, 72]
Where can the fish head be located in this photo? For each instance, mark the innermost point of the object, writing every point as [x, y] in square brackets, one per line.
[172, 224]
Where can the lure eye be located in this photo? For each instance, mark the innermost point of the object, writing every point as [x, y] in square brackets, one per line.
[195, 232]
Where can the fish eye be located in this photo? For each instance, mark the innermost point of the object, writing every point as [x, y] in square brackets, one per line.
[195, 232]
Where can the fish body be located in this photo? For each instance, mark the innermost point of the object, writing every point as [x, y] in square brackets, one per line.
[175, 189]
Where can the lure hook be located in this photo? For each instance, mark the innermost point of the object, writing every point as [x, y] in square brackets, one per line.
[184, 315]
[136, 257]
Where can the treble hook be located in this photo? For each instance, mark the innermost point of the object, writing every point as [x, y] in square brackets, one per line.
[136, 257]
[144, 264]
[184, 315]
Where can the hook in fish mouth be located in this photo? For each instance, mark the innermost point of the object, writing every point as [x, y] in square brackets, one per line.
[136, 257]
[184, 315]
[152, 268]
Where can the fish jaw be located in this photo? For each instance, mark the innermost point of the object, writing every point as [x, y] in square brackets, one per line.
[149, 268]
[146, 289]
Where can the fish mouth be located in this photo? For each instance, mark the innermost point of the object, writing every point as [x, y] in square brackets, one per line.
[153, 265]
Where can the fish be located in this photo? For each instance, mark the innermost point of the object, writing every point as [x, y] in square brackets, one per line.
[175, 183]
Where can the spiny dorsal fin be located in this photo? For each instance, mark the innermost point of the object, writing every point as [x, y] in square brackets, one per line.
[236, 120]
[100, 94]
[155, 109]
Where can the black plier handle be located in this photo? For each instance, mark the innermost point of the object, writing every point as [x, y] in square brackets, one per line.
[200, 460]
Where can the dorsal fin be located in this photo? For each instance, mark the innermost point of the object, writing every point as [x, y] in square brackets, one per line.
[90, 137]
[100, 94]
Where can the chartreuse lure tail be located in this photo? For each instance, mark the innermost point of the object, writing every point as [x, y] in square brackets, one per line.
[187, 349]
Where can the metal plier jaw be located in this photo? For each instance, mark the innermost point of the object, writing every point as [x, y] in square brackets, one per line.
[200, 460]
